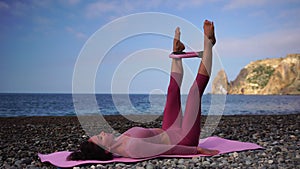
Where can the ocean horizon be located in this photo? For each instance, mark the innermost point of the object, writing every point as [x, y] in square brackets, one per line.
[59, 104]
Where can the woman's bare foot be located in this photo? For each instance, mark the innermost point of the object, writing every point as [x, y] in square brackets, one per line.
[207, 151]
[209, 31]
[177, 45]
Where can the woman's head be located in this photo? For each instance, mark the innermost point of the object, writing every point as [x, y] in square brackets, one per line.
[103, 139]
[90, 151]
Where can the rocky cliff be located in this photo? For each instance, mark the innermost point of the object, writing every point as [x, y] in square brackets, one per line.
[264, 77]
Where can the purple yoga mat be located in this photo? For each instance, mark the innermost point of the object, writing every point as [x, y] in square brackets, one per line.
[223, 145]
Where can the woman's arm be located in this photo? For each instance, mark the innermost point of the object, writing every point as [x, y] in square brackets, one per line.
[138, 148]
[189, 150]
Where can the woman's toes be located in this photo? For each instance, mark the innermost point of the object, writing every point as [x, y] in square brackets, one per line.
[177, 34]
[177, 45]
[208, 27]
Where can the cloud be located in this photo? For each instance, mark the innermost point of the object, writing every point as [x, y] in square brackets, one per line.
[237, 4]
[287, 13]
[3, 6]
[277, 43]
[101, 8]
[77, 34]
[73, 2]
[242, 4]
[69, 3]
[25, 8]
[42, 21]
[187, 4]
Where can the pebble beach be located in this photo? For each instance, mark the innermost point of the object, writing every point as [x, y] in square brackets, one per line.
[22, 138]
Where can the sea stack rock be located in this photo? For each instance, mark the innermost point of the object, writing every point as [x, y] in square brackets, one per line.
[220, 83]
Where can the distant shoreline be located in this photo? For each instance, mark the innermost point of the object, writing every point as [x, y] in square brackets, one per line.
[8, 93]
[118, 116]
[142, 115]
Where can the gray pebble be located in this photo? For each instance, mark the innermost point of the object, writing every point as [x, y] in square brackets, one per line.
[234, 165]
[270, 161]
[140, 168]
[149, 166]
[206, 163]
[195, 159]
[248, 162]
[175, 160]
[180, 161]
[120, 165]
[213, 164]
[235, 154]
[99, 166]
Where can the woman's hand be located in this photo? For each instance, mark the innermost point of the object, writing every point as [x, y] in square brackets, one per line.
[207, 151]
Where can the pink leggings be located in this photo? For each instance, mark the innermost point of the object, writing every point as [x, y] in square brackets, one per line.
[184, 130]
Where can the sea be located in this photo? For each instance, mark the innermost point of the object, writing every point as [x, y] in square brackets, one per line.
[20, 105]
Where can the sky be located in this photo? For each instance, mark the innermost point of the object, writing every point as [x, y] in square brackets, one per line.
[41, 40]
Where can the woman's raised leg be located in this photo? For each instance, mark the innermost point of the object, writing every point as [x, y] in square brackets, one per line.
[209, 42]
[177, 47]
[172, 113]
[192, 116]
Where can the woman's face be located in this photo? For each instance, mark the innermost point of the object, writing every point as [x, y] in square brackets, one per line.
[103, 139]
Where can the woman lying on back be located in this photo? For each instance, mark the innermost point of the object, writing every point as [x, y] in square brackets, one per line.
[179, 135]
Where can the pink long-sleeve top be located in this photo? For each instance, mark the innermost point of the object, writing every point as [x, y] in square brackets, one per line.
[139, 142]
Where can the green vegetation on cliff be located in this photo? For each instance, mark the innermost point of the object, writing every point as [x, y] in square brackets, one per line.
[261, 75]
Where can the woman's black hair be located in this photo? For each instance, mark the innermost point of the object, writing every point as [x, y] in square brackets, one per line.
[90, 151]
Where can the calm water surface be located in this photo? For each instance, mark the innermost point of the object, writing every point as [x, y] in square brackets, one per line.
[63, 105]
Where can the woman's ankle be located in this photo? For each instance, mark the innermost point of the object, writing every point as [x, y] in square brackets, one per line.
[208, 44]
